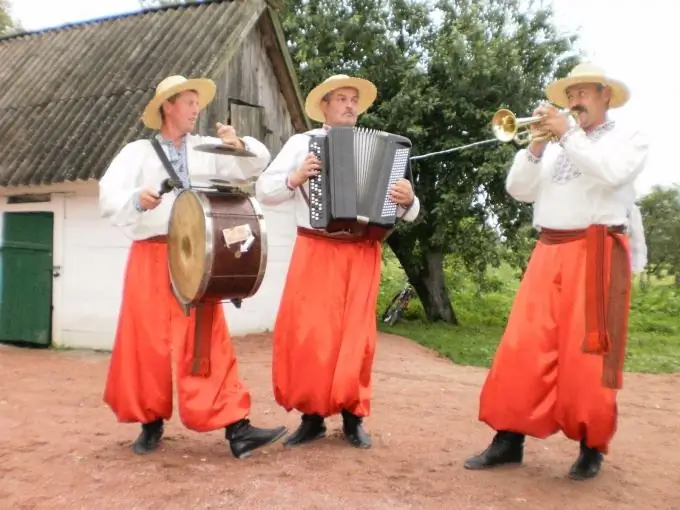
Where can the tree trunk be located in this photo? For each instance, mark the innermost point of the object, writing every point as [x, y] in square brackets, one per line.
[432, 291]
[428, 281]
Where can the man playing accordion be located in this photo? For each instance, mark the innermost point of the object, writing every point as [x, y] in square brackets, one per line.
[325, 332]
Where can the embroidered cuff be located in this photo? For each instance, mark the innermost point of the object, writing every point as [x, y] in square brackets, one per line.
[570, 132]
[405, 210]
[532, 158]
[138, 205]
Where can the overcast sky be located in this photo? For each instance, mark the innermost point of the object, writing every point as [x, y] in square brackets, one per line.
[625, 37]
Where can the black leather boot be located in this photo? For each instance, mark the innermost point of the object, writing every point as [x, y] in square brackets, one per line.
[506, 448]
[244, 439]
[148, 439]
[354, 431]
[312, 427]
[587, 464]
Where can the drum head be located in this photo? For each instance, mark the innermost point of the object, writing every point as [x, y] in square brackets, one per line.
[187, 246]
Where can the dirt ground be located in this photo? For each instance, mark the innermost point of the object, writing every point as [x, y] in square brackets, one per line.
[62, 448]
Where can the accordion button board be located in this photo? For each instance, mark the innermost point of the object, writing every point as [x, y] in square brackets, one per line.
[317, 210]
[358, 167]
[389, 208]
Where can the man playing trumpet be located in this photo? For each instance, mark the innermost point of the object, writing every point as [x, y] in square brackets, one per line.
[559, 363]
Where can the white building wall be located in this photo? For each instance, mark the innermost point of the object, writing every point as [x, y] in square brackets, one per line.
[92, 256]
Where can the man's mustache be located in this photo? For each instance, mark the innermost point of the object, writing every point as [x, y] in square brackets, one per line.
[579, 109]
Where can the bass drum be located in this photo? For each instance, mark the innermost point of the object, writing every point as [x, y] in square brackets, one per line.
[217, 246]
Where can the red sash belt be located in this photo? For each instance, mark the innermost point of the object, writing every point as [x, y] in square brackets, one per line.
[606, 305]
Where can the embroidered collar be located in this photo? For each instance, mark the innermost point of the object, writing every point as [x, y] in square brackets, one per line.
[169, 143]
[600, 130]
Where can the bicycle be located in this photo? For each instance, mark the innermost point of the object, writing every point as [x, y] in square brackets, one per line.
[394, 311]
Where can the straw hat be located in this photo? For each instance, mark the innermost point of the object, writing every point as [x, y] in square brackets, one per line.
[173, 85]
[556, 92]
[367, 94]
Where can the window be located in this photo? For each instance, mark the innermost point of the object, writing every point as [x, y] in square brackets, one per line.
[248, 119]
[29, 198]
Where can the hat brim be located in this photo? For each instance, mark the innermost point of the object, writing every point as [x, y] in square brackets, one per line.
[556, 92]
[367, 94]
[205, 88]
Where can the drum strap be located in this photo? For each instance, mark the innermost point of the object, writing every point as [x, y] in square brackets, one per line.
[173, 175]
[202, 339]
[164, 159]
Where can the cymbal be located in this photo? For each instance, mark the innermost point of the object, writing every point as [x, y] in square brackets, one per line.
[232, 182]
[243, 185]
[209, 182]
[224, 150]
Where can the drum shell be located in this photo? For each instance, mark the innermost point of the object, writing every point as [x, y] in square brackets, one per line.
[224, 272]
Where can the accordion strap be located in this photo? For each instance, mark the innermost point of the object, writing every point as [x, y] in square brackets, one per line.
[304, 193]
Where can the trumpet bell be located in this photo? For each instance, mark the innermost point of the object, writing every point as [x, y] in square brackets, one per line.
[507, 127]
[504, 125]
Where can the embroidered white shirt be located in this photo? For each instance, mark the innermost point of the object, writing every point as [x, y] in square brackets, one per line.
[586, 179]
[271, 187]
[137, 167]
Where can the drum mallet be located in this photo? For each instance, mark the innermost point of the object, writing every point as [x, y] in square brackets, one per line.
[168, 185]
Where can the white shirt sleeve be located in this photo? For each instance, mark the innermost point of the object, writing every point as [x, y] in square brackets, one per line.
[411, 213]
[271, 187]
[524, 177]
[119, 186]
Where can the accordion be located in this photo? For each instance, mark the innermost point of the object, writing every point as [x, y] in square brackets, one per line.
[358, 166]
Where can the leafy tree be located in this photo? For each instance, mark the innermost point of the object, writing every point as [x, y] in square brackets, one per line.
[441, 70]
[660, 210]
[7, 24]
[518, 253]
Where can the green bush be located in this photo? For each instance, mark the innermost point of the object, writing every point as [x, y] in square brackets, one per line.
[482, 310]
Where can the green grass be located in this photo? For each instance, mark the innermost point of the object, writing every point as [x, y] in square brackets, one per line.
[654, 333]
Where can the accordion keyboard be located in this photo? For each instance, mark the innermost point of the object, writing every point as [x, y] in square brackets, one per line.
[316, 184]
[389, 207]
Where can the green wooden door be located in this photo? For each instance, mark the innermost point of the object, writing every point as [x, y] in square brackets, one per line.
[26, 278]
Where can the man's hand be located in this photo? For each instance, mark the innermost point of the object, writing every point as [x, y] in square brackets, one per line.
[401, 192]
[309, 167]
[538, 147]
[148, 199]
[228, 136]
[554, 120]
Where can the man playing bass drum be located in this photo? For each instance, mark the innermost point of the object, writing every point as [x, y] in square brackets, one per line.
[152, 327]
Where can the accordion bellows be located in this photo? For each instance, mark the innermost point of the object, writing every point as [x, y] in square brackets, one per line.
[358, 166]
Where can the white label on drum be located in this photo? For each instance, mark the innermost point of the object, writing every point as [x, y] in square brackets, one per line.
[238, 234]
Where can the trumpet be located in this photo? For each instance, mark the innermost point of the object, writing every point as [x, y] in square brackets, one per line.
[507, 127]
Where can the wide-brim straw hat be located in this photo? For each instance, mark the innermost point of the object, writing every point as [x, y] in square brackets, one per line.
[367, 94]
[172, 85]
[556, 92]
